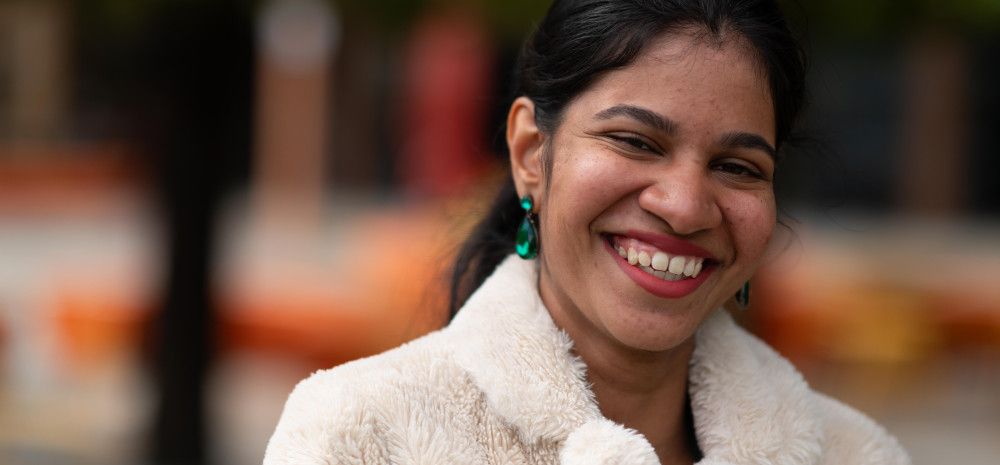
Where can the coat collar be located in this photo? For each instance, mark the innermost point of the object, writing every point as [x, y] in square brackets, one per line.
[750, 405]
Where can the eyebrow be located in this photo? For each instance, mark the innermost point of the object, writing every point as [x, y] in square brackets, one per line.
[651, 118]
[644, 116]
[747, 140]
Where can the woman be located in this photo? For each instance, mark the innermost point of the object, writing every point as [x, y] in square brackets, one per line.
[642, 150]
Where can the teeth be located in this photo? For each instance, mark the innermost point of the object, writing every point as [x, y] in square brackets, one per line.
[661, 264]
[670, 276]
[676, 265]
[689, 267]
[660, 261]
[661, 274]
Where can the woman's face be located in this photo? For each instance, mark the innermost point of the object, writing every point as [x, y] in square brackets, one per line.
[666, 163]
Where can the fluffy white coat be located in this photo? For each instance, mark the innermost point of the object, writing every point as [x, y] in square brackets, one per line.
[499, 385]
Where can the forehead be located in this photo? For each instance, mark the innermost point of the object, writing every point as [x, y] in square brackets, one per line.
[692, 77]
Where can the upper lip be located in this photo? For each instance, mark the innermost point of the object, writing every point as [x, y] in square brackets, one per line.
[670, 244]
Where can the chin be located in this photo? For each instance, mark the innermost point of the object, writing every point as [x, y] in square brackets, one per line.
[656, 332]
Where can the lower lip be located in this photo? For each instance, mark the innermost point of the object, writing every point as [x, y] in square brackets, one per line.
[656, 286]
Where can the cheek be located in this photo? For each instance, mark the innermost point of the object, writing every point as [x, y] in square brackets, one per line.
[583, 184]
[751, 218]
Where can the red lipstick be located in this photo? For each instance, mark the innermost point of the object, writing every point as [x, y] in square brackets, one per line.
[661, 287]
[671, 244]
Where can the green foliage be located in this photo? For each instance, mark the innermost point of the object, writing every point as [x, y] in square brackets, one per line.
[511, 18]
[879, 18]
[124, 18]
[389, 16]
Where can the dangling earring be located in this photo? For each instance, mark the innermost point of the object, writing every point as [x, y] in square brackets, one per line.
[743, 296]
[526, 241]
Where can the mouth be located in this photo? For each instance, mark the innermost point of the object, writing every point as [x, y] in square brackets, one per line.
[669, 269]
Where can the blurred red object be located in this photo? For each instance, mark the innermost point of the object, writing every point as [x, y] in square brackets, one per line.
[447, 92]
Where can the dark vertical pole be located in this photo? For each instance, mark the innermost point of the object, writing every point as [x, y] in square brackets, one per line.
[184, 325]
[197, 66]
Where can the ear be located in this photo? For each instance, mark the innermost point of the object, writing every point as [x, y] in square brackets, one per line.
[526, 144]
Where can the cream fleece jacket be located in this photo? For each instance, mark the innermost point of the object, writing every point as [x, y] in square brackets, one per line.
[499, 385]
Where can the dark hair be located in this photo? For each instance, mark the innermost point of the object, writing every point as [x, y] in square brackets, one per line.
[579, 40]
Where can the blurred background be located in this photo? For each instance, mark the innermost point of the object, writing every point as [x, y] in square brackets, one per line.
[203, 201]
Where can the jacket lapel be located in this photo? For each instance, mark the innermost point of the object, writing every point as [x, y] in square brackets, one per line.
[515, 354]
[750, 406]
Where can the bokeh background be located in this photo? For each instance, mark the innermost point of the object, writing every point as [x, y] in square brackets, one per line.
[203, 201]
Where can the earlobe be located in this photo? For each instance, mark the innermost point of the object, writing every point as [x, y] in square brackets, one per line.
[525, 142]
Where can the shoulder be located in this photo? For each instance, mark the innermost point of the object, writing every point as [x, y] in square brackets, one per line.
[337, 415]
[852, 437]
[753, 402]
[848, 436]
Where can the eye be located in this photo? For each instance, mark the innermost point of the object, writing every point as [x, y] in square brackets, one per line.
[738, 169]
[632, 142]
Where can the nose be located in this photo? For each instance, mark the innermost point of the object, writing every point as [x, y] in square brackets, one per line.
[683, 197]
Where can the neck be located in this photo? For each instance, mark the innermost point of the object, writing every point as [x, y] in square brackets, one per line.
[645, 391]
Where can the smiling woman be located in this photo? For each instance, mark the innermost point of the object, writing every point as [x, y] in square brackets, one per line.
[645, 161]
[643, 148]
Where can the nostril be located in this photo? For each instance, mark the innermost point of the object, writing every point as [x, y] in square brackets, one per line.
[686, 206]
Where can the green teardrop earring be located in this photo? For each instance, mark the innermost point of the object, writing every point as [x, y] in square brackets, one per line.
[526, 241]
[743, 296]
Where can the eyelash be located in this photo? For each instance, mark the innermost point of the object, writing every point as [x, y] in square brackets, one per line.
[740, 170]
[633, 142]
[731, 168]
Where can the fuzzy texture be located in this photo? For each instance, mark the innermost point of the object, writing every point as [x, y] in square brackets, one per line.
[604, 442]
[500, 385]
